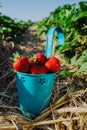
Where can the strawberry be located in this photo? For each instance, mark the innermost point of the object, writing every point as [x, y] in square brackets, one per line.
[53, 64]
[32, 62]
[41, 58]
[39, 69]
[21, 64]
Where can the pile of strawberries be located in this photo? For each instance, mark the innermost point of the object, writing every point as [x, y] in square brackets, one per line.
[42, 64]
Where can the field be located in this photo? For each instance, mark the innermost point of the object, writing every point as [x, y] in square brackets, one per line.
[68, 106]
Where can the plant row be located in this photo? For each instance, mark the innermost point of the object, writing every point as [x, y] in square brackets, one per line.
[10, 29]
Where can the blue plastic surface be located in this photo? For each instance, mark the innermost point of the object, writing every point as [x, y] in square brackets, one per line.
[34, 90]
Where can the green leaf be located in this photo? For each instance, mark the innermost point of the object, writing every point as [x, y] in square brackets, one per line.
[6, 30]
[15, 56]
[66, 73]
[9, 30]
[80, 15]
[83, 5]
[73, 59]
[68, 45]
[82, 58]
[82, 68]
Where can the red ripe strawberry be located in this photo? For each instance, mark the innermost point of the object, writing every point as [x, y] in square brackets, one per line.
[53, 64]
[39, 69]
[36, 63]
[32, 63]
[41, 57]
[21, 64]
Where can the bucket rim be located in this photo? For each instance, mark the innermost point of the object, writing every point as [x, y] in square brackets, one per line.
[27, 74]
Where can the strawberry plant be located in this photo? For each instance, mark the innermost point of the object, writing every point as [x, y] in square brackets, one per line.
[11, 30]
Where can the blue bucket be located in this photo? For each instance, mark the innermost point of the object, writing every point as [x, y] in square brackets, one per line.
[35, 90]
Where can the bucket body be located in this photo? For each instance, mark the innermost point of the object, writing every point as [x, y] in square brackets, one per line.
[34, 91]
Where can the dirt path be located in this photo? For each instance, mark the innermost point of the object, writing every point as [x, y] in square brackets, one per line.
[31, 43]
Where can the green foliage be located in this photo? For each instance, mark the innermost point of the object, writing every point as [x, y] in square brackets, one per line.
[10, 30]
[66, 73]
[82, 58]
[79, 63]
[73, 20]
[67, 16]
[15, 56]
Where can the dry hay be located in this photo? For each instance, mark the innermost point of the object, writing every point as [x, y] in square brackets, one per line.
[68, 113]
[67, 110]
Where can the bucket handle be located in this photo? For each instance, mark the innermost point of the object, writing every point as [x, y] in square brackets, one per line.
[50, 37]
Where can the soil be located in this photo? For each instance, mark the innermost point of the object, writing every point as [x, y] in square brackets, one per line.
[31, 43]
